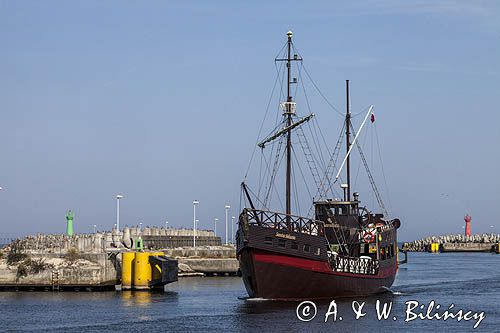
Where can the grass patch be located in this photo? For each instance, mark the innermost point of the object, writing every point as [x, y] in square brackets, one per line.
[15, 254]
[72, 255]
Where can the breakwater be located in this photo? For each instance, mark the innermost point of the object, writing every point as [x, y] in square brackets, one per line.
[94, 261]
[456, 243]
[130, 237]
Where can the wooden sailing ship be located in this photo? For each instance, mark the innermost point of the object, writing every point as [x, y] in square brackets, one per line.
[342, 250]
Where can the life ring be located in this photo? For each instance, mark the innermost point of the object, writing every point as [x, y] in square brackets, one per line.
[369, 236]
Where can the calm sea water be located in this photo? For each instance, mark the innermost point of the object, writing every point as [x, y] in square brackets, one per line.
[469, 281]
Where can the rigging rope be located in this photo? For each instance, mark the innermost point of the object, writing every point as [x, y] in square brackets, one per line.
[331, 168]
[382, 167]
[302, 174]
[263, 121]
[316, 87]
[294, 185]
[321, 94]
[277, 162]
[370, 177]
[309, 157]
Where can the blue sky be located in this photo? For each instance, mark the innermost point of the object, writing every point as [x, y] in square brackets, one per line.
[162, 101]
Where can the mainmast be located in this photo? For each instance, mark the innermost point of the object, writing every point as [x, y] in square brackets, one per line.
[348, 143]
[289, 109]
[288, 114]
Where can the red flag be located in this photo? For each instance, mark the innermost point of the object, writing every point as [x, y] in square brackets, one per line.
[372, 118]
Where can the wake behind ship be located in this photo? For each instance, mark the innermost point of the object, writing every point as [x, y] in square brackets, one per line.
[342, 249]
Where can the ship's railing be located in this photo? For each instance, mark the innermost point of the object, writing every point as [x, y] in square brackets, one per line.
[367, 266]
[281, 221]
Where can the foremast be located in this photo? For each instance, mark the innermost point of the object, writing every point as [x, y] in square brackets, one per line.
[289, 115]
[289, 108]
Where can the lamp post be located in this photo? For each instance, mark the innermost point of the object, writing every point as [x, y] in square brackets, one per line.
[140, 227]
[196, 224]
[227, 209]
[215, 226]
[195, 203]
[118, 198]
[95, 226]
[232, 229]
[166, 224]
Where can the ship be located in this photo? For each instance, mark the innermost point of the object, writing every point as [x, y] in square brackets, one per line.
[341, 249]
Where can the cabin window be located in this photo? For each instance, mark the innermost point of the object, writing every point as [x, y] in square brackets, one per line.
[307, 248]
[384, 253]
[318, 251]
[294, 246]
[281, 242]
[268, 240]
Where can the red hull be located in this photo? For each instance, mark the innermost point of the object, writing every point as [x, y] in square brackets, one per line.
[272, 275]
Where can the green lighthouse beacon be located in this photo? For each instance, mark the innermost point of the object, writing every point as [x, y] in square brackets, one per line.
[69, 223]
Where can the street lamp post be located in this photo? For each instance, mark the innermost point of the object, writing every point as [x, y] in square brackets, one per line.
[215, 226]
[232, 229]
[166, 224]
[227, 209]
[95, 226]
[118, 198]
[195, 202]
[196, 225]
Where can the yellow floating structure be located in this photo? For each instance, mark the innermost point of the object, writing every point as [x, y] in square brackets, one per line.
[142, 270]
[145, 270]
[127, 273]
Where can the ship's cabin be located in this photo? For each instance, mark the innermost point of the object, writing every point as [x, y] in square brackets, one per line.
[346, 225]
[334, 211]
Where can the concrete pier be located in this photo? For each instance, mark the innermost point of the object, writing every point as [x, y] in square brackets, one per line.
[455, 243]
[468, 247]
[85, 261]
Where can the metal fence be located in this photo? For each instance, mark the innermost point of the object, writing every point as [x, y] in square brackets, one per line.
[281, 221]
[355, 265]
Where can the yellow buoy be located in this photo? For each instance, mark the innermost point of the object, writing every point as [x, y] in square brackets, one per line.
[127, 259]
[142, 270]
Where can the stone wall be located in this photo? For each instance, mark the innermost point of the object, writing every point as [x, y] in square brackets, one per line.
[102, 242]
[422, 245]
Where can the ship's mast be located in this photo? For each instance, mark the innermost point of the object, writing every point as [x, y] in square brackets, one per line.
[348, 143]
[289, 134]
[289, 109]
